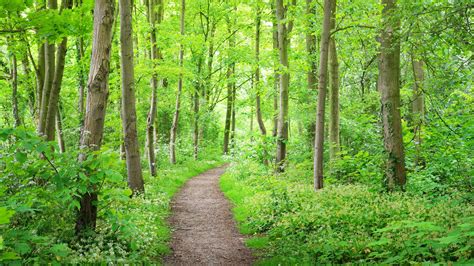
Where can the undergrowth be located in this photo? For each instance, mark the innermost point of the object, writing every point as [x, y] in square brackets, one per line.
[346, 222]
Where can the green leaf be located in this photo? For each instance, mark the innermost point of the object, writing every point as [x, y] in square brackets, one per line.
[20, 157]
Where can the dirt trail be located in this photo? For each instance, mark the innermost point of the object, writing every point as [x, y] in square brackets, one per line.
[204, 231]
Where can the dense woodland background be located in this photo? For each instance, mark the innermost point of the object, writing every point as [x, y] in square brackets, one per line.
[349, 126]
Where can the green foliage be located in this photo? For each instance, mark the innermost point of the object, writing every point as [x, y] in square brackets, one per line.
[39, 192]
[347, 223]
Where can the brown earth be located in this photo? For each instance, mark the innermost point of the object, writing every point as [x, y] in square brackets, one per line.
[204, 231]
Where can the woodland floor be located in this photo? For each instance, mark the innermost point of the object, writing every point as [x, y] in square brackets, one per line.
[204, 231]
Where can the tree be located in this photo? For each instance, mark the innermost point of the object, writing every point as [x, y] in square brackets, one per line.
[322, 83]
[258, 109]
[418, 106]
[174, 126]
[284, 28]
[334, 146]
[96, 103]
[389, 88]
[154, 17]
[129, 113]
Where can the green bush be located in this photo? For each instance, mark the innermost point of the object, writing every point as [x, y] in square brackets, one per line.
[348, 223]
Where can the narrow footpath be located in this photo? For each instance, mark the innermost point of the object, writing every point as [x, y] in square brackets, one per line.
[204, 231]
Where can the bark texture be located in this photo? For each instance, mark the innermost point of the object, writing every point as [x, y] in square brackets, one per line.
[322, 84]
[14, 80]
[129, 113]
[388, 86]
[96, 103]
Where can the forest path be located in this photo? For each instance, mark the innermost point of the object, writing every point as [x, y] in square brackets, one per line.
[204, 231]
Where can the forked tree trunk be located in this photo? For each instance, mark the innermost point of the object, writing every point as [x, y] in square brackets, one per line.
[96, 103]
[418, 107]
[129, 113]
[334, 146]
[174, 126]
[322, 84]
[388, 86]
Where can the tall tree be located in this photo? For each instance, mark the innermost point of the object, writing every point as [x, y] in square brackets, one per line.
[418, 106]
[174, 126]
[230, 90]
[155, 13]
[96, 103]
[258, 109]
[284, 28]
[334, 146]
[389, 88]
[322, 83]
[129, 112]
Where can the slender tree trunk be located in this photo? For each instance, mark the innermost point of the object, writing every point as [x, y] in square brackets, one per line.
[228, 114]
[388, 86]
[29, 84]
[96, 103]
[323, 69]
[40, 76]
[80, 79]
[282, 130]
[418, 106]
[14, 79]
[232, 127]
[174, 126]
[258, 110]
[59, 130]
[151, 118]
[334, 146]
[311, 45]
[56, 85]
[196, 96]
[129, 113]
[276, 76]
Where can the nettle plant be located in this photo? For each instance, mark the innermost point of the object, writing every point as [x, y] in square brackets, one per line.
[40, 190]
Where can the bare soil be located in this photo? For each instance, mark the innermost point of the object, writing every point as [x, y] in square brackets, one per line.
[204, 231]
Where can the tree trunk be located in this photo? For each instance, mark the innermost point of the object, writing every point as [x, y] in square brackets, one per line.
[196, 99]
[282, 129]
[388, 86]
[418, 107]
[322, 83]
[228, 114]
[96, 103]
[129, 113]
[40, 75]
[56, 86]
[174, 126]
[59, 130]
[151, 118]
[80, 79]
[14, 79]
[311, 45]
[276, 76]
[258, 110]
[334, 146]
[232, 127]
